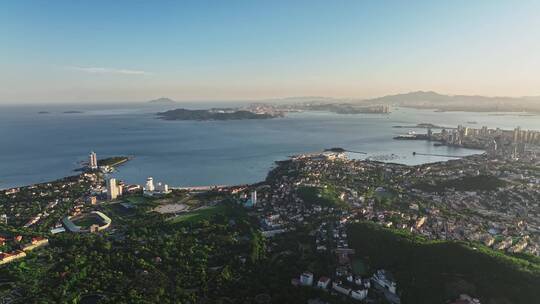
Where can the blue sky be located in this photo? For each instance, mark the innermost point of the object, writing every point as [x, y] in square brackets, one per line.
[216, 50]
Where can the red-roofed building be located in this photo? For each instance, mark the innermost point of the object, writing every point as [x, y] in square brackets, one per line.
[323, 282]
[11, 256]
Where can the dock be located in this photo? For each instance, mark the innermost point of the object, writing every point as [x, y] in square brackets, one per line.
[440, 155]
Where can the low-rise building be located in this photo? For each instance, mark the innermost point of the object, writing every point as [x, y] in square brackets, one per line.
[385, 280]
[306, 279]
[323, 282]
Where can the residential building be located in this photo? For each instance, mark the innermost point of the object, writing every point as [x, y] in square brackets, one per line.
[306, 279]
[323, 282]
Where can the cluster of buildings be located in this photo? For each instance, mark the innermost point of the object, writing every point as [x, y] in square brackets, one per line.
[354, 287]
[18, 247]
[158, 189]
[35, 205]
[504, 216]
[508, 143]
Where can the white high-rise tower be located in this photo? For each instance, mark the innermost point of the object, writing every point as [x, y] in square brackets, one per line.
[92, 161]
[150, 184]
[254, 198]
[113, 190]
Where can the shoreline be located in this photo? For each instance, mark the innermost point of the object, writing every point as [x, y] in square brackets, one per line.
[225, 186]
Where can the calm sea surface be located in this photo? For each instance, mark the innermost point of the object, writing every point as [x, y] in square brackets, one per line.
[41, 147]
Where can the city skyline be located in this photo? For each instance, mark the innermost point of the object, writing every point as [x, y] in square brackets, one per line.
[240, 50]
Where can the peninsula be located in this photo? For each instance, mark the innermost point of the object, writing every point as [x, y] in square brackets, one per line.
[212, 114]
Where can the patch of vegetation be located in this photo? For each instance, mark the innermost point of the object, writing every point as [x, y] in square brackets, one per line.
[199, 215]
[113, 161]
[138, 199]
[435, 271]
[466, 183]
[325, 197]
[147, 261]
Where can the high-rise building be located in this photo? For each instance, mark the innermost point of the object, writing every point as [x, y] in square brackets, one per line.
[92, 161]
[517, 134]
[113, 189]
[149, 184]
[254, 198]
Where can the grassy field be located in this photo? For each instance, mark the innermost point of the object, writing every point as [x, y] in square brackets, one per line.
[137, 199]
[325, 197]
[198, 215]
[88, 220]
[435, 271]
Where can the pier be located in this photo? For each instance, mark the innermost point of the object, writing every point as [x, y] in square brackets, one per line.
[440, 155]
[355, 152]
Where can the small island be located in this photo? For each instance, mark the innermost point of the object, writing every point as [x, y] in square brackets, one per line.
[163, 100]
[44, 112]
[212, 114]
[73, 112]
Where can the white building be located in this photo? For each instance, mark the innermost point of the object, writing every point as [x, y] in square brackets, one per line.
[254, 198]
[306, 279]
[113, 189]
[149, 185]
[385, 280]
[160, 187]
[152, 190]
[92, 161]
[359, 294]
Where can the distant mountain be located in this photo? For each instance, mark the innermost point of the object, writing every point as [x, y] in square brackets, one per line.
[433, 100]
[162, 100]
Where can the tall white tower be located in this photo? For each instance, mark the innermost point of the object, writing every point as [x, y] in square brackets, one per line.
[112, 189]
[254, 198]
[92, 161]
[150, 184]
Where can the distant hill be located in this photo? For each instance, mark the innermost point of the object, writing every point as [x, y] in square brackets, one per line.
[162, 100]
[433, 100]
[212, 114]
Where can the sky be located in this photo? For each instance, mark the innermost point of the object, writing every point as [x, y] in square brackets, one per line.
[105, 51]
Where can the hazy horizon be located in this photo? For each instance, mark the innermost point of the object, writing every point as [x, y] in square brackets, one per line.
[123, 51]
[241, 100]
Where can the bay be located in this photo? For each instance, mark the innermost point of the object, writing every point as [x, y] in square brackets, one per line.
[37, 148]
